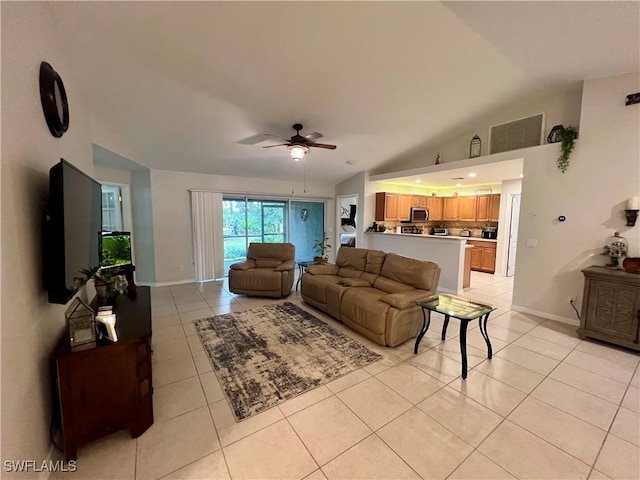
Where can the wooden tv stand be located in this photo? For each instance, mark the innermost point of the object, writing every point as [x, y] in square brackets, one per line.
[109, 387]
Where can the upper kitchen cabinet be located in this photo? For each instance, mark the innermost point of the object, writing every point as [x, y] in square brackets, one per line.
[404, 207]
[436, 207]
[467, 208]
[451, 208]
[488, 207]
[386, 206]
[419, 201]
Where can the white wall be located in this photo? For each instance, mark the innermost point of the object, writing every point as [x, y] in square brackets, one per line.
[604, 172]
[112, 175]
[30, 325]
[172, 213]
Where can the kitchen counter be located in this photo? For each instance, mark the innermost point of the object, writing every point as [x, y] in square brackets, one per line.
[428, 235]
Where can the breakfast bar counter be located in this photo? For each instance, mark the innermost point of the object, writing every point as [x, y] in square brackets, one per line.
[447, 251]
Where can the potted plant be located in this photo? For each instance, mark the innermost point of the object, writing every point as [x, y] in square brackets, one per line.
[321, 248]
[568, 139]
[104, 282]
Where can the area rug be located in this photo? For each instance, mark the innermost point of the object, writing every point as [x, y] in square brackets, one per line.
[270, 354]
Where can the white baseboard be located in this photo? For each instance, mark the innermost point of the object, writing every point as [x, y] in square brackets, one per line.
[550, 316]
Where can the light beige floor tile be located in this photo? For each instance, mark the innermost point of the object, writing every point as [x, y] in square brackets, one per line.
[165, 311]
[437, 365]
[191, 306]
[303, 401]
[173, 370]
[635, 381]
[234, 306]
[597, 475]
[619, 459]
[493, 394]
[189, 329]
[162, 321]
[348, 380]
[451, 348]
[543, 347]
[202, 361]
[328, 428]
[168, 446]
[475, 339]
[111, 457]
[556, 334]
[609, 352]
[387, 361]
[631, 399]
[218, 300]
[514, 321]
[171, 349]
[479, 467]
[370, 459]
[374, 402]
[587, 381]
[528, 359]
[429, 448]
[177, 398]
[501, 333]
[583, 405]
[317, 475]
[196, 315]
[211, 386]
[410, 382]
[510, 373]
[213, 466]
[569, 433]
[626, 425]
[463, 416]
[195, 345]
[525, 455]
[163, 334]
[601, 366]
[274, 452]
[229, 430]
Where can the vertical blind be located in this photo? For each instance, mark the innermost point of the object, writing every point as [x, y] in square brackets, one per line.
[208, 252]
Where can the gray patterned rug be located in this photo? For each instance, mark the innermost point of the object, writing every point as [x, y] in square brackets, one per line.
[269, 354]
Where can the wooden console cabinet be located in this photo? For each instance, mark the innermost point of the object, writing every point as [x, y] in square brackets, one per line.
[483, 256]
[611, 306]
[109, 387]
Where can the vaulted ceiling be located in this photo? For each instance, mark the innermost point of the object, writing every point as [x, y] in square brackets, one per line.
[192, 86]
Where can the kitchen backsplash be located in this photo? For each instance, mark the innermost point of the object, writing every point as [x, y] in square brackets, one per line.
[454, 227]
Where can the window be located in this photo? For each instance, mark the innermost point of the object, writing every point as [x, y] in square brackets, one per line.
[111, 208]
[247, 220]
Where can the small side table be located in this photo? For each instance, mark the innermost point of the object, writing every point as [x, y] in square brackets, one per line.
[464, 310]
[302, 266]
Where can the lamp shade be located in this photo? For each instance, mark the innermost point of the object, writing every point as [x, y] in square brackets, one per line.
[297, 152]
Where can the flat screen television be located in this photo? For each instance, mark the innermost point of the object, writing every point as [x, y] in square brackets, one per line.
[115, 250]
[73, 225]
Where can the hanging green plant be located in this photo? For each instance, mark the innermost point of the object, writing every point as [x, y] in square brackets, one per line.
[568, 140]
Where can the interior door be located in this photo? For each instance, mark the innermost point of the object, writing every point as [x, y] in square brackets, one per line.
[513, 234]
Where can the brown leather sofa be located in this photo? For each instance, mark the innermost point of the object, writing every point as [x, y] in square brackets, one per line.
[373, 292]
[267, 272]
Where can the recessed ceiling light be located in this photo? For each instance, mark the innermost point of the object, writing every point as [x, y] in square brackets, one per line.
[418, 181]
[472, 175]
[522, 175]
[349, 162]
[458, 184]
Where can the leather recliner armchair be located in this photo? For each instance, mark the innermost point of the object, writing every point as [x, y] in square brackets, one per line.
[268, 271]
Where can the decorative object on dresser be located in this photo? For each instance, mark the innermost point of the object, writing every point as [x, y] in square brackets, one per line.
[616, 247]
[475, 147]
[269, 354]
[631, 212]
[631, 264]
[611, 306]
[104, 389]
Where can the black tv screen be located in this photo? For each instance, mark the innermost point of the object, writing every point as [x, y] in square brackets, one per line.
[72, 231]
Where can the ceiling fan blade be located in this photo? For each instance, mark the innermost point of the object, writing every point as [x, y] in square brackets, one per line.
[275, 136]
[313, 136]
[252, 140]
[323, 145]
[278, 145]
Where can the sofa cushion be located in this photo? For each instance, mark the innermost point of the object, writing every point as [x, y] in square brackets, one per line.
[315, 286]
[391, 286]
[417, 273]
[322, 269]
[353, 258]
[267, 263]
[407, 299]
[362, 305]
[375, 259]
[271, 251]
[354, 282]
[349, 272]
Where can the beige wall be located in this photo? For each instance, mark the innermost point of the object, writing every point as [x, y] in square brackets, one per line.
[604, 172]
[172, 213]
[30, 325]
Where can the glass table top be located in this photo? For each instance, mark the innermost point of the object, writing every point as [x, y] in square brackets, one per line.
[457, 307]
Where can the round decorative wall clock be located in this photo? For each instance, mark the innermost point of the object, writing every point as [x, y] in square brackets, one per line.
[54, 100]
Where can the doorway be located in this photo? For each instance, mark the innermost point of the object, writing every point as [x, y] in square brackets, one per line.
[347, 206]
[513, 234]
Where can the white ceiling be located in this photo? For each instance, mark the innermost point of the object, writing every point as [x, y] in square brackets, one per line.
[188, 85]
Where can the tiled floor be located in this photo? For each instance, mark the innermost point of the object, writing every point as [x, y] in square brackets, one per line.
[548, 405]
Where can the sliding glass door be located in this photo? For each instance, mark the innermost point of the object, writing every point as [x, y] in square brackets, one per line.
[247, 220]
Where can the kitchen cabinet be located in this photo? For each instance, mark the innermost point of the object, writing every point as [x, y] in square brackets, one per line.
[404, 207]
[386, 206]
[436, 207]
[466, 275]
[467, 208]
[422, 201]
[611, 306]
[494, 209]
[415, 200]
[451, 208]
[483, 256]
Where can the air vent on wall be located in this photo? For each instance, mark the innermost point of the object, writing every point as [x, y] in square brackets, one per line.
[523, 133]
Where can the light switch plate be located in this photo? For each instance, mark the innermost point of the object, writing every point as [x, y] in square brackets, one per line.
[532, 242]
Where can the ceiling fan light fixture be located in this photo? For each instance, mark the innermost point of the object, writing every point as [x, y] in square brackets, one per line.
[297, 152]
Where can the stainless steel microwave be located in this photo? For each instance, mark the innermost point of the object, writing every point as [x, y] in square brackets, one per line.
[419, 215]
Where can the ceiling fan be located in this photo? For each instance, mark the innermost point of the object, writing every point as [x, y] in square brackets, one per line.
[299, 145]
